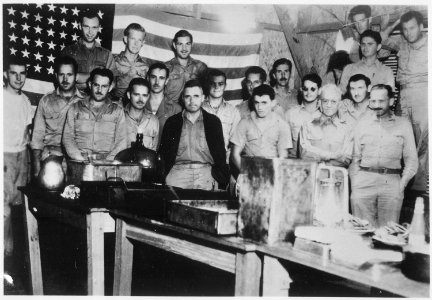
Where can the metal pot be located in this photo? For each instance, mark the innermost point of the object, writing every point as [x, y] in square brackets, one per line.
[51, 175]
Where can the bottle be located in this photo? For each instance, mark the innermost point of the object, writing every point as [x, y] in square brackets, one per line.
[417, 229]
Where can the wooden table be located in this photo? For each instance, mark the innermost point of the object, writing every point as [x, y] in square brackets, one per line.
[89, 216]
[276, 278]
[231, 254]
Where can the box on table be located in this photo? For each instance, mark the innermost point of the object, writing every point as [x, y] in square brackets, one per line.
[276, 195]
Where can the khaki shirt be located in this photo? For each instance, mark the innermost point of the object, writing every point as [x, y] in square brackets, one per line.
[288, 100]
[148, 126]
[296, 117]
[270, 142]
[228, 115]
[377, 73]
[193, 146]
[179, 75]
[50, 119]
[382, 143]
[323, 136]
[126, 71]
[85, 132]
[245, 112]
[350, 113]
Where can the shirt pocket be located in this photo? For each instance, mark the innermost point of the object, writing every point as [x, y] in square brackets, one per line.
[99, 63]
[183, 143]
[394, 146]
[202, 142]
[148, 139]
[53, 121]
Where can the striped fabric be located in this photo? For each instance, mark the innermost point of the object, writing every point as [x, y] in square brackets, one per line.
[231, 53]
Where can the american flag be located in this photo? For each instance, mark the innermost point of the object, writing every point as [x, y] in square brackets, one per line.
[38, 32]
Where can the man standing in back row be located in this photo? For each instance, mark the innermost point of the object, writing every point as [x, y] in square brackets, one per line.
[280, 75]
[183, 67]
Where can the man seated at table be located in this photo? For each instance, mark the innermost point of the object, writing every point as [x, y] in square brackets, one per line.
[138, 118]
[327, 138]
[192, 145]
[263, 132]
[95, 126]
[357, 105]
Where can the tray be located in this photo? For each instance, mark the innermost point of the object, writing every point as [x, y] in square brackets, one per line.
[212, 216]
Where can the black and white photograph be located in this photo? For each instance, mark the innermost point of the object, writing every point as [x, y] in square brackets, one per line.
[224, 149]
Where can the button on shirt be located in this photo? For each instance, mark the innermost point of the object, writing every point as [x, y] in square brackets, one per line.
[17, 115]
[148, 126]
[50, 118]
[383, 142]
[286, 100]
[228, 115]
[377, 73]
[104, 133]
[271, 142]
[179, 75]
[193, 146]
[324, 136]
[127, 70]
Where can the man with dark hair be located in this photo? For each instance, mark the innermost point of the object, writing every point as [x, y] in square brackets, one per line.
[129, 64]
[159, 104]
[356, 106]
[280, 75]
[327, 138]
[192, 145]
[306, 111]
[263, 132]
[381, 141]
[337, 62]
[369, 65]
[95, 126]
[138, 118]
[51, 112]
[86, 51]
[17, 117]
[183, 67]
[216, 105]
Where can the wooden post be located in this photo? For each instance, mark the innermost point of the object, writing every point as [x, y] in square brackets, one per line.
[33, 248]
[123, 261]
[247, 274]
[276, 280]
[95, 254]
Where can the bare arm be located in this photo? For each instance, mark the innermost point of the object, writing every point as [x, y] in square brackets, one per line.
[68, 139]
[235, 156]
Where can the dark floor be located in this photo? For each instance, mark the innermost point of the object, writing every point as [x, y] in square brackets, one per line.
[155, 272]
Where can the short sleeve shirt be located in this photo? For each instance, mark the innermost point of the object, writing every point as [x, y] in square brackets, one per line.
[148, 126]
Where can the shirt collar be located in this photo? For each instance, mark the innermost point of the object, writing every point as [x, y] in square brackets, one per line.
[86, 101]
[123, 56]
[81, 42]
[200, 117]
[324, 120]
[127, 108]
[177, 62]
[207, 103]
[389, 117]
[377, 63]
[77, 93]
[420, 43]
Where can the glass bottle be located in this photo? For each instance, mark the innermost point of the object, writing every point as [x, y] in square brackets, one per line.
[417, 228]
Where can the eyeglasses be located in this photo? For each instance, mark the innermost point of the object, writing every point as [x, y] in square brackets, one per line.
[305, 89]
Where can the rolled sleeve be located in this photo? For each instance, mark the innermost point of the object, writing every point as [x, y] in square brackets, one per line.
[409, 154]
[239, 135]
[285, 138]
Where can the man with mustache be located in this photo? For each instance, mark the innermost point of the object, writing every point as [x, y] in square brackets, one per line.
[159, 104]
[183, 67]
[327, 138]
[263, 132]
[129, 64]
[17, 117]
[88, 53]
[51, 113]
[356, 106]
[381, 141]
[280, 75]
[138, 118]
[95, 126]
[192, 145]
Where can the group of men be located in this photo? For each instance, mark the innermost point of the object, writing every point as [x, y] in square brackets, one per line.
[102, 101]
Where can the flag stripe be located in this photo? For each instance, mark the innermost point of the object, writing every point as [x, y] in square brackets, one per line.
[38, 86]
[198, 48]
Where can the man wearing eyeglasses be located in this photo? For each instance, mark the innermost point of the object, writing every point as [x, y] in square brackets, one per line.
[95, 126]
[306, 111]
[327, 138]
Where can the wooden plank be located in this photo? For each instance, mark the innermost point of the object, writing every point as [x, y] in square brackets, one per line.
[247, 274]
[216, 258]
[33, 249]
[276, 280]
[95, 254]
[123, 261]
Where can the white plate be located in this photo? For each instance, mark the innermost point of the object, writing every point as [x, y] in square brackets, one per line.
[387, 242]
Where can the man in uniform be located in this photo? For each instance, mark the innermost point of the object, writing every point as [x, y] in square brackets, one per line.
[88, 53]
[306, 111]
[369, 65]
[95, 126]
[192, 145]
[327, 138]
[216, 105]
[51, 113]
[138, 118]
[381, 141]
[280, 75]
[129, 64]
[263, 132]
[353, 108]
[159, 103]
[183, 67]
[17, 116]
